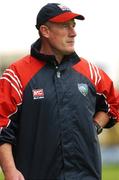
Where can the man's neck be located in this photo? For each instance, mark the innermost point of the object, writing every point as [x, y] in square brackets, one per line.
[47, 50]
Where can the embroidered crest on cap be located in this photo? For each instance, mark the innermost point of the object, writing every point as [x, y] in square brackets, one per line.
[63, 8]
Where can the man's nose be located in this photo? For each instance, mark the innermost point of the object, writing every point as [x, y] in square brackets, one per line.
[72, 32]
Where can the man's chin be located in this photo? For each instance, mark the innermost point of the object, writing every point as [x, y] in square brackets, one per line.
[69, 52]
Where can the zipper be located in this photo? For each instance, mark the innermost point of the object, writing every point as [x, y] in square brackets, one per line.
[58, 72]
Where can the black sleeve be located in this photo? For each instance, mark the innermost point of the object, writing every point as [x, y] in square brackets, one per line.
[101, 105]
[9, 134]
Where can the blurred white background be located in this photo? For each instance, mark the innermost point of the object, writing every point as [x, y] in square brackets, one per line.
[97, 37]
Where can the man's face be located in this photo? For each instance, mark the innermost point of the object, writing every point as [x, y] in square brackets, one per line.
[61, 36]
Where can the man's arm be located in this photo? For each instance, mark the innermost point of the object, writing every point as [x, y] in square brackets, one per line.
[100, 119]
[7, 163]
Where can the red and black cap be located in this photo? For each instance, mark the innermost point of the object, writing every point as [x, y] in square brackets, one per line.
[55, 12]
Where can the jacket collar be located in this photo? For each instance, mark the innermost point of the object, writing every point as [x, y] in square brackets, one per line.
[50, 59]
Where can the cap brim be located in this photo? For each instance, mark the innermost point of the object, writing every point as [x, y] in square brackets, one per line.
[66, 16]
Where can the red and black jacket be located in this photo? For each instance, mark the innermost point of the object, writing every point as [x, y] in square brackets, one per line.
[46, 113]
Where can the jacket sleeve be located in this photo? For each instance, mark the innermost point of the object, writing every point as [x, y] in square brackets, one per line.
[106, 98]
[105, 92]
[10, 100]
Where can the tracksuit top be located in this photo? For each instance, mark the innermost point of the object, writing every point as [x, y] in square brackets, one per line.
[46, 113]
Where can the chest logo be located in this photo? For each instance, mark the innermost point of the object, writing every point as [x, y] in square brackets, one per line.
[38, 93]
[83, 88]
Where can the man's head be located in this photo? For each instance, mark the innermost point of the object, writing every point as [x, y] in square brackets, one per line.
[56, 26]
[55, 12]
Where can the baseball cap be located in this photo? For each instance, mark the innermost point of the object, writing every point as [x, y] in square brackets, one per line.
[55, 12]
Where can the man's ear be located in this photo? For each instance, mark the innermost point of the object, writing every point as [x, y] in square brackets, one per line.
[44, 31]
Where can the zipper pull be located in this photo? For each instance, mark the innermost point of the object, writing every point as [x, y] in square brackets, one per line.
[58, 74]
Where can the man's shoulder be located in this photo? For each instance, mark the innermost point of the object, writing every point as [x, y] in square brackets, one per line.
[27, 62]
[25, 68]
[82, 64]
[89, 70]
[23, 60]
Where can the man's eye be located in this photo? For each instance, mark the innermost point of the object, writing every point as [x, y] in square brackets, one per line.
[74, 24]
[65, 25]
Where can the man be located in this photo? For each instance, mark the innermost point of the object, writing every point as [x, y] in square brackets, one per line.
[52, 106]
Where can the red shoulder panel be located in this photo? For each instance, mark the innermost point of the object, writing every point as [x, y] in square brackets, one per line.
[12, 85]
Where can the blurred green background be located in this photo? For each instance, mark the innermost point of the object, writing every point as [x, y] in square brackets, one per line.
[110, 172]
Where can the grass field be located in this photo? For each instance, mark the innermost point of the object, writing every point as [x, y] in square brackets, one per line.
[110, 172]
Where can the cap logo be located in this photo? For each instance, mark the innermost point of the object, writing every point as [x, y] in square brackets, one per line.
[63, 8]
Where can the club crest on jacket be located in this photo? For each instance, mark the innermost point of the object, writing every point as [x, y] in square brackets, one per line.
[83, 88]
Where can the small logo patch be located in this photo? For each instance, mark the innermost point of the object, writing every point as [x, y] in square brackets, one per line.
[63, 8]
[83, 88]
[38, 93]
